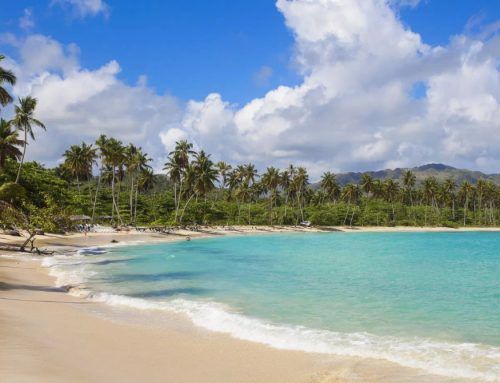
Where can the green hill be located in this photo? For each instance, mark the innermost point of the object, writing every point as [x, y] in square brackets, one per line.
[440, 171]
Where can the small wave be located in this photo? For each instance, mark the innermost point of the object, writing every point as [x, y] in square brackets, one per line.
[466, 360]
[91, 251]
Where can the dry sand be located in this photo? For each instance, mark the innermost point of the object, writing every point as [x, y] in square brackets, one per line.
[47, 335]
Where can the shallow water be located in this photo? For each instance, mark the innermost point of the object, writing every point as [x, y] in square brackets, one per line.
[423, 300]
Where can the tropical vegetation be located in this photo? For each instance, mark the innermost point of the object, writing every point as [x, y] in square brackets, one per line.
[114, 183]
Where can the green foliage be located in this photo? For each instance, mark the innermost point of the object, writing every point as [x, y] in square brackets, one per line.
[12, 192]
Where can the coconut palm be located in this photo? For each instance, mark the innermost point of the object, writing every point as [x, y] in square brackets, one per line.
[409, 180]
[113, 156]
[366, 184]
[79, 161]
[24, 120]
[135, 162]
[6, 77]
[329, 186]
[351, 194]
[223, 168]
[270, 183]
[448, 188]
[9, 142]
[299, 185]
[466, 190]
[391, 191]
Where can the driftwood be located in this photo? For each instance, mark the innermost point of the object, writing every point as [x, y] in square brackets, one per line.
[31, 242]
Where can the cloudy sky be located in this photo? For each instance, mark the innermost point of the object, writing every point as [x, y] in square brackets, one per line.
[330, 84]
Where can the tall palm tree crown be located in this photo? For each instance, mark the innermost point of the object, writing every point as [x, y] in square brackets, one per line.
[7, 77]
[24, 120]
[9, 142]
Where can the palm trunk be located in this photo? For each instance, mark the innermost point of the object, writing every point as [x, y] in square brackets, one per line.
[465, 209]
[96, 193]
[184, 209]
[131, 197]
[22, 158]
[135, 207]
[114, 198]
[78, 184]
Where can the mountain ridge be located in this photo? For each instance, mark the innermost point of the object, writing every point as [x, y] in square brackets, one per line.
[437, 170]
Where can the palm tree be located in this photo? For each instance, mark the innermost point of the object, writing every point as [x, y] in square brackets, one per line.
[449, 186]
[135, 162]
[9, 142]
[223, 169]
[6, 76]
[466, 189]
[366, 183]
[391, 189]
[299, 185]
[145, 181]
[113, 155]
[24, 120]
[409, 181]
[285, 184]
[79, 161]
[176, 167]
[270, 183]
[351, 193]
[329, 185]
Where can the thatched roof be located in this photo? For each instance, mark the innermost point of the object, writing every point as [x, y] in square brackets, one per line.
[79, 217]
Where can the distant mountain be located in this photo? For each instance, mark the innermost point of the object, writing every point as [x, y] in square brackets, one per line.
[440, 171]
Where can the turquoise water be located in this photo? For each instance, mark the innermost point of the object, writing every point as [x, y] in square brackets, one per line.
[424, 300]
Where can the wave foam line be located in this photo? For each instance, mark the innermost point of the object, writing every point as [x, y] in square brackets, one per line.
[466, 360]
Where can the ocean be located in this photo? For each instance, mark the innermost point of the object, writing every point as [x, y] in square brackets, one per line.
[429, 301]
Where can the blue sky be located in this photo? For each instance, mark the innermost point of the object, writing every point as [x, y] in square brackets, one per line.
[193, 47]
[331, 85]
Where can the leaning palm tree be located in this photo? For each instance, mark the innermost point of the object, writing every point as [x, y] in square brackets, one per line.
[351, 194]
[24, 120]
[8, 77]
[9, 143]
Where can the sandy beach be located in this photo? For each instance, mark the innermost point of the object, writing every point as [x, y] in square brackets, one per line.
[48, 335]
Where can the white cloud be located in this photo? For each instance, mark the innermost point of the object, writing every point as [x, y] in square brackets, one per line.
[354, 108]
[79, 104]
[83, 8]
[27, 20]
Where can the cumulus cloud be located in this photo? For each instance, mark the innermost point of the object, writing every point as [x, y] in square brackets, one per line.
[27, 20]
[80, 104]
[356, 107]
[83, 8]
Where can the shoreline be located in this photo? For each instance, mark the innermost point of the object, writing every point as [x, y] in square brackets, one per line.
[43, 328]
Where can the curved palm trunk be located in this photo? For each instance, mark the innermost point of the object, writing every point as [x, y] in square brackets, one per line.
[22, 158]
[184, 208]
[347, 212]
[114, 198]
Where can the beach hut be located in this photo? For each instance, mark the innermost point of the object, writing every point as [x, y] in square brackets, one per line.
[80, 217]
